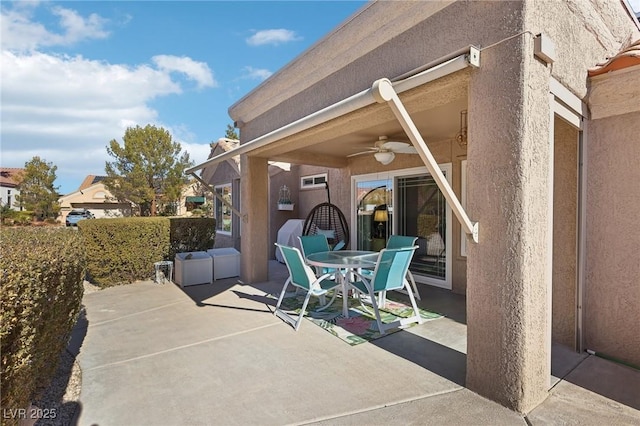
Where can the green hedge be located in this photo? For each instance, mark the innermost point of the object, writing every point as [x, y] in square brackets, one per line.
[123, 250]
[41, 293]
[191, 234]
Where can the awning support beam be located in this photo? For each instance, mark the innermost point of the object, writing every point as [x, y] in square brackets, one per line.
[219, 197]
[383, 92]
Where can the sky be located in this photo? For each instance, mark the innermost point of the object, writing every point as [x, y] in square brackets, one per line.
[76, 74]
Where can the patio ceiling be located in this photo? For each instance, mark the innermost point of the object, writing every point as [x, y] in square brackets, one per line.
[434, 107]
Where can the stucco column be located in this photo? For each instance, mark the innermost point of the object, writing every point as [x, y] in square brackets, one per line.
[508, 194]
[254, 194]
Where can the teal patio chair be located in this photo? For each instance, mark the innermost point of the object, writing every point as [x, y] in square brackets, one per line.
[315, 244]
[400, 241]
[394, 242]
[303, 277]
[389, 274]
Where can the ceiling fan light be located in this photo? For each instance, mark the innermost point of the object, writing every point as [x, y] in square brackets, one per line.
[385, 157]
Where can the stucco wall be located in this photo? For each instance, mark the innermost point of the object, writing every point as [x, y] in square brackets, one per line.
[612, 299]
[509, 192]
[584, 32]
[565, 192]
[277, 218]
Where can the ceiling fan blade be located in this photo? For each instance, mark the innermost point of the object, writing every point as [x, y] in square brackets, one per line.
[406, 150]
[373, 151]
[394, 146]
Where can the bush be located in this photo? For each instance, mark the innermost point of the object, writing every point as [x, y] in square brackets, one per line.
[123, 250]
[16, 217]
[41, 293]
[191, 234]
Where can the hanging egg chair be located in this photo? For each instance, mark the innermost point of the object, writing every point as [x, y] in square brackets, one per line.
[328, 220]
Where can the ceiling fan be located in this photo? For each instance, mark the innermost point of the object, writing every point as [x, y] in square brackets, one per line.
[385, 150]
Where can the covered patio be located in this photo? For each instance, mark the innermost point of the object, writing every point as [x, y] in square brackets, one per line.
[215, 354]
[524, 267]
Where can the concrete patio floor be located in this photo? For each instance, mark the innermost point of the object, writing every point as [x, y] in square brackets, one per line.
[215, 354]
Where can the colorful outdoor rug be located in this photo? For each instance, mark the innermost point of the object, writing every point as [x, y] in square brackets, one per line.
[361, 325]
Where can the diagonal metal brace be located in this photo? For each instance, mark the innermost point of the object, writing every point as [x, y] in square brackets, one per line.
[383, 92]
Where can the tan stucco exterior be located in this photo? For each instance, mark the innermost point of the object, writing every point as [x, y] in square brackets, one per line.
[97, 199]
[520, 279]
[612, 299]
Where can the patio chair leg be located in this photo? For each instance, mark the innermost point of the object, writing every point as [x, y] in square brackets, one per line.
[303, 310]
[284, 289]
[413, 284]
[416, 312]
[325, 306]
[381, 328]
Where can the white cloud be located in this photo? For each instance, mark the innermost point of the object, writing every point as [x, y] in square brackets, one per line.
[275, 37]
[20, 33]
[66, 109]
[256, 73]
[197, 71]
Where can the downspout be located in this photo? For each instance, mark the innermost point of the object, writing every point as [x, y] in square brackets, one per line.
[582, 232]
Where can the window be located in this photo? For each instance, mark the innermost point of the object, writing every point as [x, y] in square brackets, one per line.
[414, 206]
[313, 181]
[223, 213]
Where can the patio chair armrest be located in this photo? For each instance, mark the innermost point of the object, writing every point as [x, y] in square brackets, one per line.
[361, 277]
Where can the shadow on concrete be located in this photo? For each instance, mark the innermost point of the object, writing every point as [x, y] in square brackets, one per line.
[445, 302]
[200, 293]
[52, 409]
[604, 377]
[432, 356]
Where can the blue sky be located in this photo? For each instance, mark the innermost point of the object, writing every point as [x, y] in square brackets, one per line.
[75, 75]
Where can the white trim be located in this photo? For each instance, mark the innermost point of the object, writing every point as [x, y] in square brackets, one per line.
[568, 98]
[565, 113]
[218, 198]
[314, 185]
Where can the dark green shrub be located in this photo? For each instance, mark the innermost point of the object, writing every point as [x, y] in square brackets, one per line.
[41, 293]
[191, 234]
[123, 250]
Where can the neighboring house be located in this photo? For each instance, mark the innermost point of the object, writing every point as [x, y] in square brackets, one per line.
[532, 197]
[92, 195]
[9, 187]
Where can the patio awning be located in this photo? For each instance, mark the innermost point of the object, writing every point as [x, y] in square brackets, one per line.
[195, 200]
[456, 61]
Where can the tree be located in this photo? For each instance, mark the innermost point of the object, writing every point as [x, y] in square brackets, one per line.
[148, 170]
[231, 133]
[37, 192]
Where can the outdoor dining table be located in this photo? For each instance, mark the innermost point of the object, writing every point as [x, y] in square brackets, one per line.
[344, 261]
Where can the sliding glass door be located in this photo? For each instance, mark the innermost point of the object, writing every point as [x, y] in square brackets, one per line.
[406, 202]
